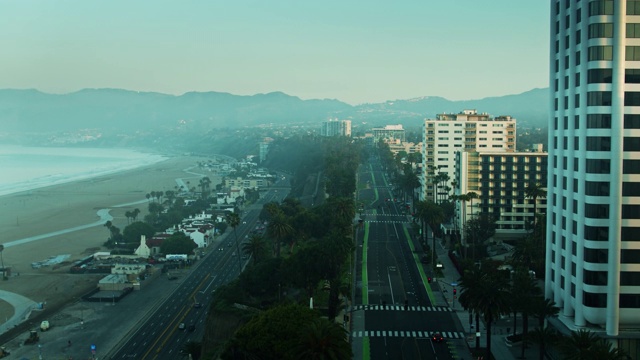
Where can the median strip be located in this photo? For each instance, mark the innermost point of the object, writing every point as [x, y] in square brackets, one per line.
[423, 276]
[365, 280]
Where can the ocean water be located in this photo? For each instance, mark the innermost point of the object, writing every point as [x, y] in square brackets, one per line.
[28, 168]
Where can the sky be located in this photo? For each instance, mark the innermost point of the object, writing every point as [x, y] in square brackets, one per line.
[354, 51]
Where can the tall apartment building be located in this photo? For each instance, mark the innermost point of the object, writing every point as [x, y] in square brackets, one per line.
[334, 127]
[466, 131]
[593, 224]
[500, 180]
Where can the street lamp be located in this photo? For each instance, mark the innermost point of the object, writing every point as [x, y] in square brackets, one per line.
[4, 272]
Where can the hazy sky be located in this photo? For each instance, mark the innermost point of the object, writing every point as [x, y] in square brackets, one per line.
[354, 51]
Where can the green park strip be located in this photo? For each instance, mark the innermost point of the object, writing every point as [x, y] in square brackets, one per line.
[366, 355]
[365, 279]
[423, 276]
[375, 188]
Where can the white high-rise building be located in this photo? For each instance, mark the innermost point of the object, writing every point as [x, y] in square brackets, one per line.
[335, 127]
[593, 216]
[450, 133]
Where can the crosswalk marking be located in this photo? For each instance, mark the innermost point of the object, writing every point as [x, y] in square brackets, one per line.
[388, 221]
[400, 308]
[408, 334]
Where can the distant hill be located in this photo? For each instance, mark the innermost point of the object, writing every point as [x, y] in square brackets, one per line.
[124, 110]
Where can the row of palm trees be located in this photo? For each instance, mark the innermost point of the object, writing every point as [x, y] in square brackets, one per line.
[489, 293]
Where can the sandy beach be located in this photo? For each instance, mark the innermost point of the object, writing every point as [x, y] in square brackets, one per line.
[56, 208]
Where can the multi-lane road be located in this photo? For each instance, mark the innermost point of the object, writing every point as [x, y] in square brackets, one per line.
[394, 304]
[161, 335]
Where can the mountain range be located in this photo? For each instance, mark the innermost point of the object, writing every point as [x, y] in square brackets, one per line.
[123, 110]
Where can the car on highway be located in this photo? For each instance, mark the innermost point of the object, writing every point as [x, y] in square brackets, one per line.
[437, 337]
[197, 305]
[220, 249]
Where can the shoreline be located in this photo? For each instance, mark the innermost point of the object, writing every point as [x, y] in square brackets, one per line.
[64, 219]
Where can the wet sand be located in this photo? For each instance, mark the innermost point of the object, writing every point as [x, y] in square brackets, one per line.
[52, 209]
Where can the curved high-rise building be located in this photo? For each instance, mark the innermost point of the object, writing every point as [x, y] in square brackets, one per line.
[593, 216]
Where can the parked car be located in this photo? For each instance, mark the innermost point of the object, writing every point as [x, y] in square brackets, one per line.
[181, 326]
[197, 305]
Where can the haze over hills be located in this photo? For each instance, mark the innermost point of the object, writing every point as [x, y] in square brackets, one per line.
[130, 111]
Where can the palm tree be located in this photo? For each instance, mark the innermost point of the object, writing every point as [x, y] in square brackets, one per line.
[484, 291]
[135, 214]
[470, 196]
[204, 184]
[493, 301]
[470, 292]
[255, 248]
[278, 229]
[585, 345]
[433, 215]
[543, 337]
[322, 340]
[524, 287]
[534, 191]
[543, 309]
[128, 215]
[233, 219]
[193, 348]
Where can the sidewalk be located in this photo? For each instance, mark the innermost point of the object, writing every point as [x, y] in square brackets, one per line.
[500, 329]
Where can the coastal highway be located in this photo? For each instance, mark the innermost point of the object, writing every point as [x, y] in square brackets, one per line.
[399, 316]
[159, 336]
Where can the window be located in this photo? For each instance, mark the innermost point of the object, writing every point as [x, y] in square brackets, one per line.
[601, 30]
[596, 188]
[629, 301]
[633, 30]
[632, 76]
[630, 189]
[598, 121]
[596, 256]
[598, 166]
[594, 277]
[601, 7]
[629, 256]
[602, 76]
[598, 53]
[630, 211]
[633, 7]
[600, 98]
[631, 166]
[596, 233]
[594, 300]
[628, 278]
[632, 53]
[631, 144]
[632, 121]
[598, 211]
[577, 79]
[630, 233]
[598, 143]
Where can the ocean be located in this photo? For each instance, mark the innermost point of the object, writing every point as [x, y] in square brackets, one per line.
[28, 168]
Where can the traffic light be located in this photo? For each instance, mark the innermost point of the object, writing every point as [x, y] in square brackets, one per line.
[454, 291]
[429, 279]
